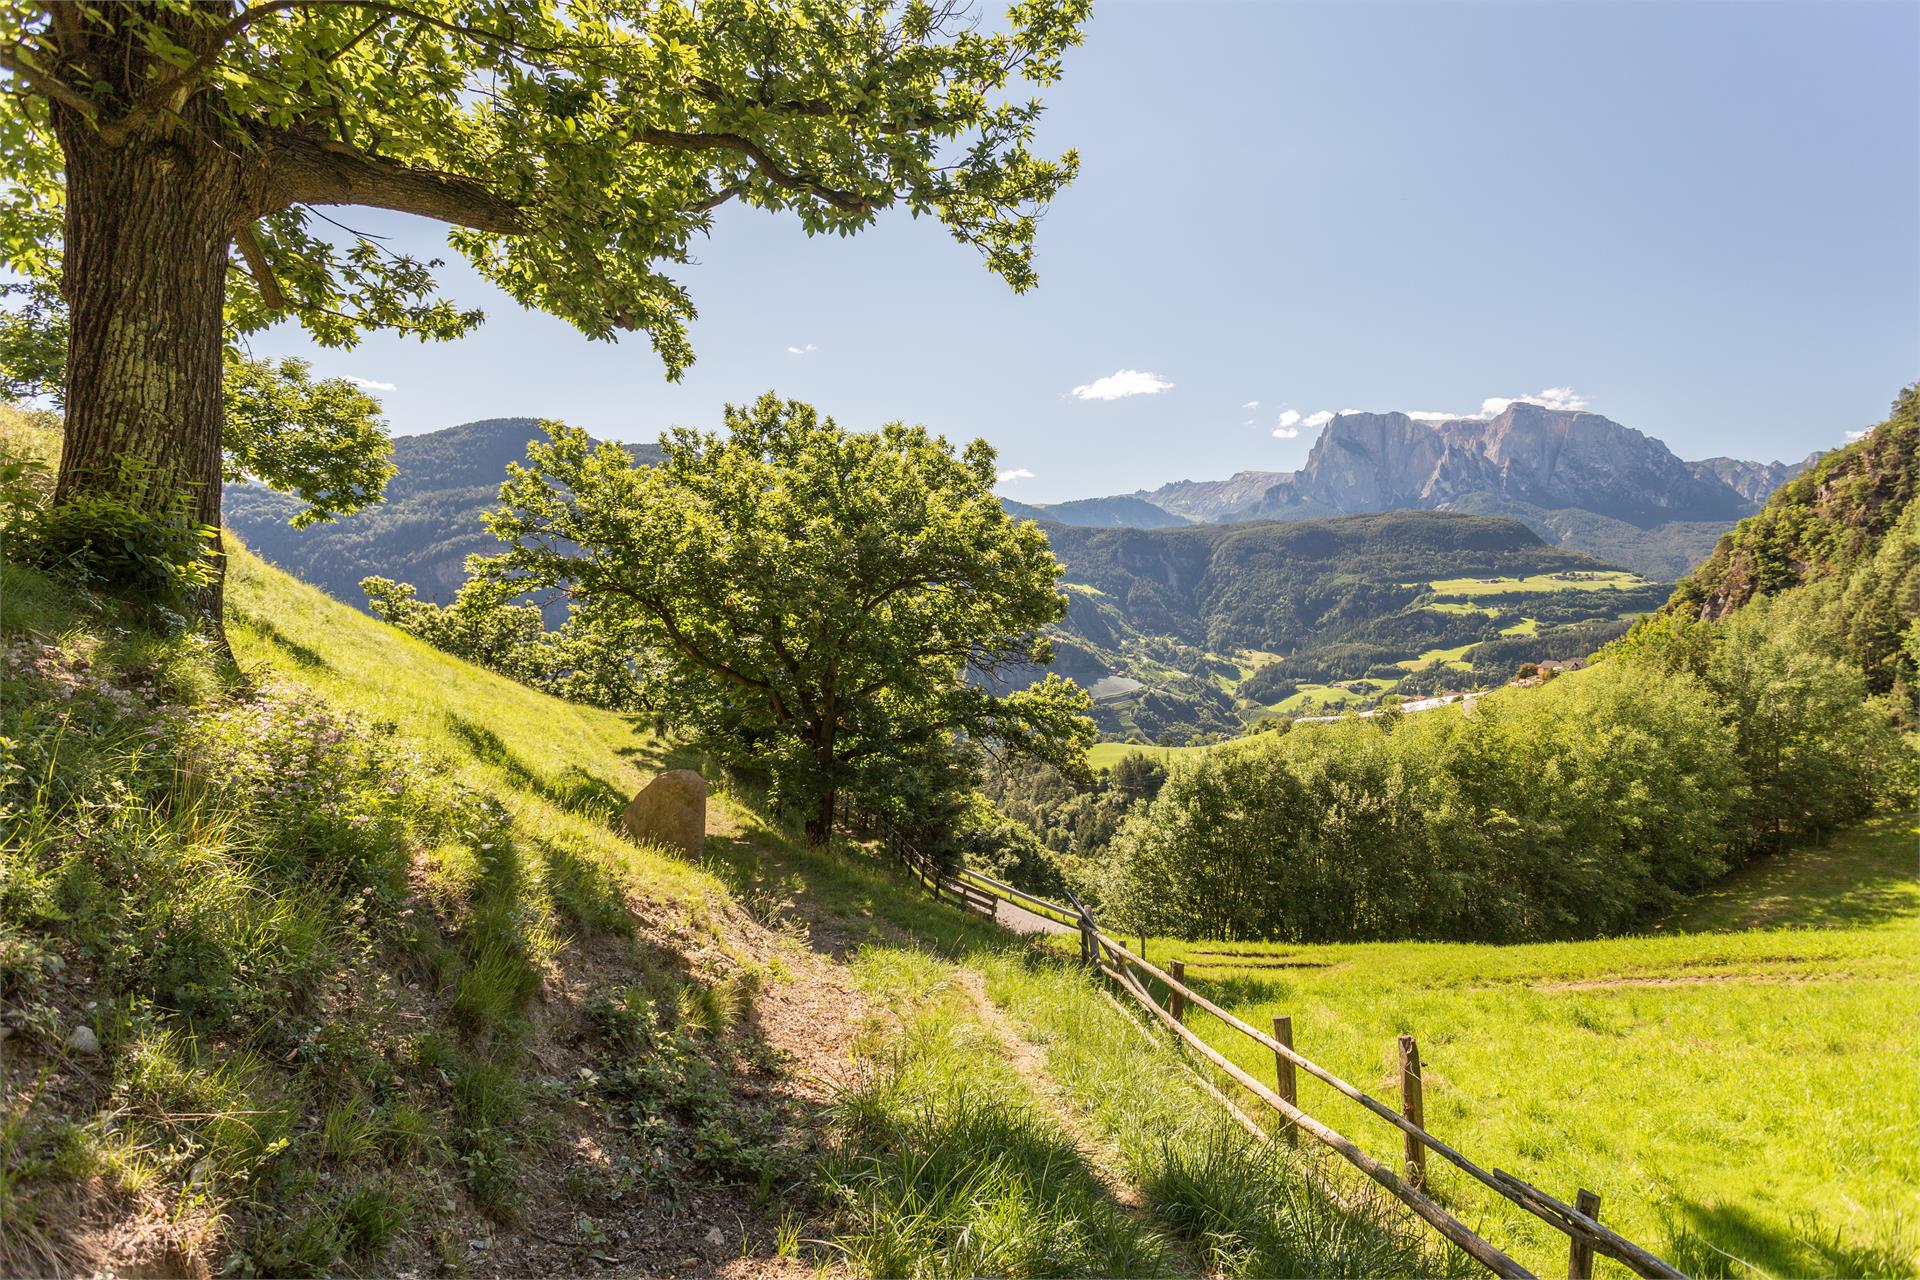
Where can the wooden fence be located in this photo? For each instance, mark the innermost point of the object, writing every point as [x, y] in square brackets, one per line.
[1579, 1221]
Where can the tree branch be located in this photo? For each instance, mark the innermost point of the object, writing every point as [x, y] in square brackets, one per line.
[304, 169]
[262, 271]
[54, 89]
[777, 173]
[161, 96]
[816, 109]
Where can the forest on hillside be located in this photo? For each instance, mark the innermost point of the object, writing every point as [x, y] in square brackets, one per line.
[1773, 700]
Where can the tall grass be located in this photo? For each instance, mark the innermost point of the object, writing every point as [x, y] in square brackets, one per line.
[944, 1164]
[303, 903]
[1248, 1207]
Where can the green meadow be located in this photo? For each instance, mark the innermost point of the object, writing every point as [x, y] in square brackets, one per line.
[1736, 1084]
[1602, 580]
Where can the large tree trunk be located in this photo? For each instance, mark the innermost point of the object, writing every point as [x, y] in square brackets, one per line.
[148, 229]
[820, 825]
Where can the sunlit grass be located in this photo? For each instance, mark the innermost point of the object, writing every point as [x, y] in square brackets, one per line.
[1599, 580]
[1732, 1095]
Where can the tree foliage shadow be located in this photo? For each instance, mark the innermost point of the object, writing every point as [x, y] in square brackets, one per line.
[1729, 1242]
[574, 789]
[304, 655]
[1856, 879]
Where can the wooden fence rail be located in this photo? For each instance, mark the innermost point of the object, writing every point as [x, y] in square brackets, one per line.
[1579, 1221]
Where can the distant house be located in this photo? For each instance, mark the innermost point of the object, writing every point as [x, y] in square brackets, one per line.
[1561, 664]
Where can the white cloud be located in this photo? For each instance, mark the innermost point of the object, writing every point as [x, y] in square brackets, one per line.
[801, 351]
[1856, 435]
[1432, 415]
[1126, 382]
[1551, 398]
[1251, 404]
[1292, 422]
[1017, 473]
[366, 384]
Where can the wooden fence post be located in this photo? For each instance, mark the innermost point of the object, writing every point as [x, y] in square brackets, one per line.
[1413, 1107]
[1580, 1252]
[1176, 1003]
[1283, 1075]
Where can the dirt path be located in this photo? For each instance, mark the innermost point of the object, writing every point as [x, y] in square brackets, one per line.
[1102, 1158]
[1020, 920]
[1030, 1060]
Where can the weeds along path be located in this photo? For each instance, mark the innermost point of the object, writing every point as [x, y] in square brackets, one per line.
[1030, 1061]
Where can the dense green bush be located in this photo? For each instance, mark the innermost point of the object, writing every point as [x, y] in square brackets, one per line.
[1565, 811]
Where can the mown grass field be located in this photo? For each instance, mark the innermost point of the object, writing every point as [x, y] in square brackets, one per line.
[1104, 755]
[1467, 588]
[1737, 1086]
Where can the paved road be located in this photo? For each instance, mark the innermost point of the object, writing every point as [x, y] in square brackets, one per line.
[1021, 920]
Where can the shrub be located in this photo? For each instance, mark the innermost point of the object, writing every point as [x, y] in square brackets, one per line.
[105, 543]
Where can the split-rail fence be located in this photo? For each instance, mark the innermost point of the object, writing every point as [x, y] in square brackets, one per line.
[1132, 974]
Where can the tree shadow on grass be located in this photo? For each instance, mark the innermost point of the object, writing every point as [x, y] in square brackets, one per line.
[301, 654]
[1727, 1242]
[574, 789]
[1859, 878]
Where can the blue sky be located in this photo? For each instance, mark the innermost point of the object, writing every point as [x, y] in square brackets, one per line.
[1703, 219]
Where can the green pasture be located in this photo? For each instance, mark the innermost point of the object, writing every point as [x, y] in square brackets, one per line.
[1603, 580]
[1736, 1084]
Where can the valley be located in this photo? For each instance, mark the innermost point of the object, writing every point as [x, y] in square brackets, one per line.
[1182, 632]
[822, 801]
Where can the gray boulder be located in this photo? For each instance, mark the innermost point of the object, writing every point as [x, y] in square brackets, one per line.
[671, 810]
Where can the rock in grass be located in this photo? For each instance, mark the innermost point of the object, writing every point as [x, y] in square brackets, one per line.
[82, 1040]
[671, 810]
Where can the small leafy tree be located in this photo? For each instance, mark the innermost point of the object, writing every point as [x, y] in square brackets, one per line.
[166, 161]
[483, 625]
[322, 440]
[833, 607]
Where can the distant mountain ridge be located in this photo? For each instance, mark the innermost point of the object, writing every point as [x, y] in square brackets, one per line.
[1124, 511]
[423, 533]
[1163, 622]
[1578, 479]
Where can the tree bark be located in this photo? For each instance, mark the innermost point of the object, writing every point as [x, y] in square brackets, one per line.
[820, 825]
[149, 225]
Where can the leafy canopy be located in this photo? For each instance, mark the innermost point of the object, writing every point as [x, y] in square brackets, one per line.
[831, 606]
[574, 148]
[320, 440]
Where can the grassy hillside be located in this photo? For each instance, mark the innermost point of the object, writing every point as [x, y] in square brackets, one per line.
[337, 963]
[1728, 1086]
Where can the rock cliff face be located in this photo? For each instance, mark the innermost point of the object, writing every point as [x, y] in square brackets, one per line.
[1545, 457]
[1215, 501]
[1754, 481]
